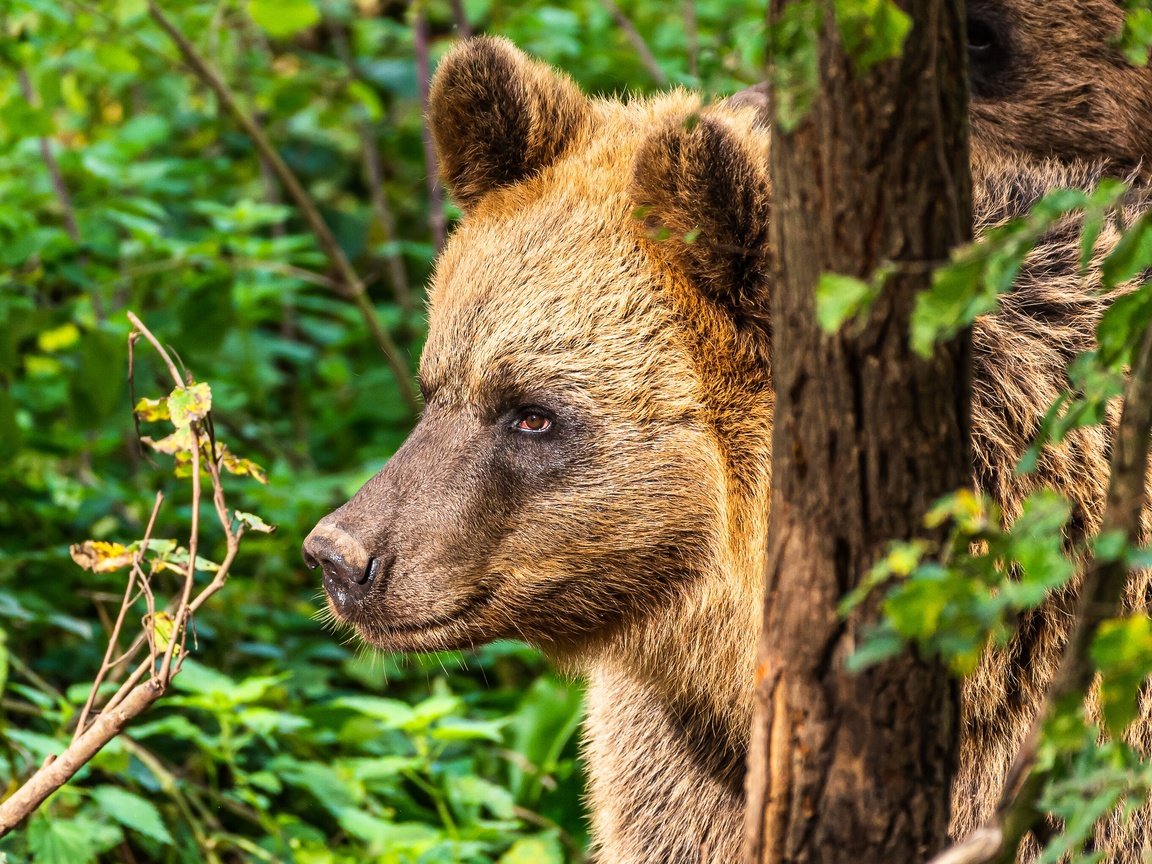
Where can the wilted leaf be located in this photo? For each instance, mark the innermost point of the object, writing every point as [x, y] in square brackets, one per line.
[100, 556]
[152, 409]
[180, 441]
[233, 464]
[253, 522]
[189, 404]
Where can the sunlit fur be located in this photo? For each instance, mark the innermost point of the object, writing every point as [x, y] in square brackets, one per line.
[631, 546]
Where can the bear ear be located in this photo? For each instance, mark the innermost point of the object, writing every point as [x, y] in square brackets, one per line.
[498, 117]
[702, 186]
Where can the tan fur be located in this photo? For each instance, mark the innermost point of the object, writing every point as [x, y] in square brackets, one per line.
[628, 541]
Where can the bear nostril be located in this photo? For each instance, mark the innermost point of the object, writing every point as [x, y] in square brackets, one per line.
[369, 571]
[310, 562]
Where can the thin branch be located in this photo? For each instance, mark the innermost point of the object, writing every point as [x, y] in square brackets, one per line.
[351, 285]
[692, 37]
[1101, 598]
[460, 17]
[374, 175]
[436, 221]
[643, 52]
[56, 772]
[114, 636]
[59, 187]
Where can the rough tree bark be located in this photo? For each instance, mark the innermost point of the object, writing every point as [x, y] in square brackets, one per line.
[844, 767]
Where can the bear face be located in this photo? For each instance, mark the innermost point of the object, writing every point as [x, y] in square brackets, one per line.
[1045, 78]
[575, 402]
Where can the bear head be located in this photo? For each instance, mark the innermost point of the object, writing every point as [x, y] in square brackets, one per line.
[597, 411]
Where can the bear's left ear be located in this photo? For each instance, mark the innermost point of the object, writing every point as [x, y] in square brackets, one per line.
[703, 184]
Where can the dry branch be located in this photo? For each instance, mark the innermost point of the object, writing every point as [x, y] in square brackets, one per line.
[135, 694]
[420, 46]
[351, 286]
[643, 52]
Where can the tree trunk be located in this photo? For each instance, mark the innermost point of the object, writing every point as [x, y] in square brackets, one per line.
[857, 767]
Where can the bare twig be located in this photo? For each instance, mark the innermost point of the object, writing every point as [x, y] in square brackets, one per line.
[436, 220]
[1101, 598]
[351, 286]
[114, 636]
[643, 52]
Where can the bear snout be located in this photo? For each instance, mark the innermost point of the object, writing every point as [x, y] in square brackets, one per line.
[350, 572]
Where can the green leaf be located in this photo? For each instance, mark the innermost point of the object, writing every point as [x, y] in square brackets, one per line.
[282, 18]
[541, 849]
[54, 840]
[133, 812]
[471, 789]
[839, 298]
[872, 30]
[1122, 325]
[1132, 255]
[1122, 652]
[392, 713]
[794, 44]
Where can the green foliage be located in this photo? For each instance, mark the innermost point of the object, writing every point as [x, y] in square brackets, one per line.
[954, 602]
[981, 271]
[1136, 38]
[283, 741]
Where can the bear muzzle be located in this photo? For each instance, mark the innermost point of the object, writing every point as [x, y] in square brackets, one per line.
[350, 572]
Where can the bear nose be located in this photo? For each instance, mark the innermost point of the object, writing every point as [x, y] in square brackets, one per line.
[348, 568]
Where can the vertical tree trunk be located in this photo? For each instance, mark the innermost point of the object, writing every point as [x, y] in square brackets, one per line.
[843, 767]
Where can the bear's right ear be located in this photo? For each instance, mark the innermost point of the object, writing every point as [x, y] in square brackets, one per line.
[498, 117]
[702, 183]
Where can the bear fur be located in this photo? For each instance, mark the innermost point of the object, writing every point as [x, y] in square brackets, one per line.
[592, 469]
[1046, 79]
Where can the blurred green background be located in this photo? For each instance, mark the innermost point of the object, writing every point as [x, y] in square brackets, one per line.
[282, 741]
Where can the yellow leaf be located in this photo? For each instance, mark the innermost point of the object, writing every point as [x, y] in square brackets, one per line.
[152, 409]
[233, 464]
[162, 629]
[180, 441]
[57, 339]
[99, 556]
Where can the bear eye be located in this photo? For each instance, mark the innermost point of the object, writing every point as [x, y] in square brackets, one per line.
[532, 421]
[981, 38]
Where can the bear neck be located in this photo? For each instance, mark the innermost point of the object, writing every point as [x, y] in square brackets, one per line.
[670, 700]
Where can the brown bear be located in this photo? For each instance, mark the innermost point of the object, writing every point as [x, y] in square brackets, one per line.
[591, 472]
[1046, 78]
